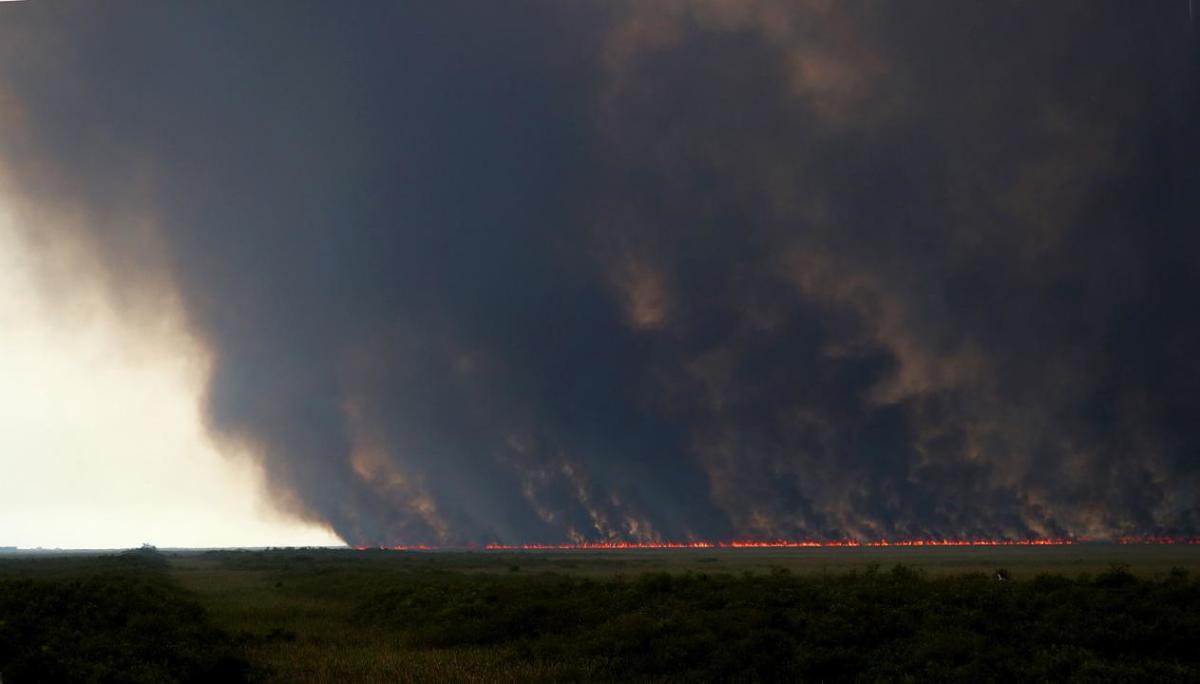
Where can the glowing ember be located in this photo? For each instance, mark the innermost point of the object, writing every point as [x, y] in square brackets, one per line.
[777, 544]
[771, 544]
[784, 544]
[1158, 540]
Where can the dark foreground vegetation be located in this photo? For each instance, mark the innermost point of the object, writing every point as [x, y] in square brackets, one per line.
[330, 616]
[875, 626]
[111, 619]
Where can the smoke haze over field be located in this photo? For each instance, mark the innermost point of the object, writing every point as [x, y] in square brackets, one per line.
[542, 271]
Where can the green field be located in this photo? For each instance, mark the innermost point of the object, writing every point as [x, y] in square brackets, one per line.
[1073, 613]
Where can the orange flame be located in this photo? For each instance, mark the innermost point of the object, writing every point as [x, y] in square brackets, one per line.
[775, 544]
[785, 544]
[1158, 540]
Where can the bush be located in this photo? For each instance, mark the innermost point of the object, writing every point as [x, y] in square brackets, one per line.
[126, 623]
[876, 626]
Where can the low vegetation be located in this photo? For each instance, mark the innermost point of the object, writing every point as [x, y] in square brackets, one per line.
[330, 616]
[875, 626]
[115, 619]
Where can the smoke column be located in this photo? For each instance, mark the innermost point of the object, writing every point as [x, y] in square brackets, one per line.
[541, 272]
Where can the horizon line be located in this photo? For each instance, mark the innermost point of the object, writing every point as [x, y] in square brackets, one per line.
[1157, 540]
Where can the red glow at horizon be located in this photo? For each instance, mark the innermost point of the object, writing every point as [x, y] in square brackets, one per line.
[1158, 540]
[784, 544]
[777, 544]
[733, 544]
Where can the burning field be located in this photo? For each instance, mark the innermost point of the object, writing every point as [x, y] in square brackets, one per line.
[617, 545]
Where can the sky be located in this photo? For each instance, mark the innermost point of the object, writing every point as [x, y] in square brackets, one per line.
[461, 273]
[103, 441]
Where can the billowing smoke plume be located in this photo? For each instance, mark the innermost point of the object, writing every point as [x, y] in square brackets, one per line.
[545, 271]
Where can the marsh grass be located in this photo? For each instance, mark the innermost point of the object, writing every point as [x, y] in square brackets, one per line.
[381, 616]
[110, 619]
[1080, 614]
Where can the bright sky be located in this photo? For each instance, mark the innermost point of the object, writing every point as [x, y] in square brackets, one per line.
[101, 441]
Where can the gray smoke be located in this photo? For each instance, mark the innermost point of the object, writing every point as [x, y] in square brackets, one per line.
[675, 270]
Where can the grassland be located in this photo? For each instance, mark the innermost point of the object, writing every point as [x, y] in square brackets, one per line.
[1075, 613]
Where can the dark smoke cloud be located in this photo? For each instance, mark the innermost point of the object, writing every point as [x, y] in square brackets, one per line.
[544, 271]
